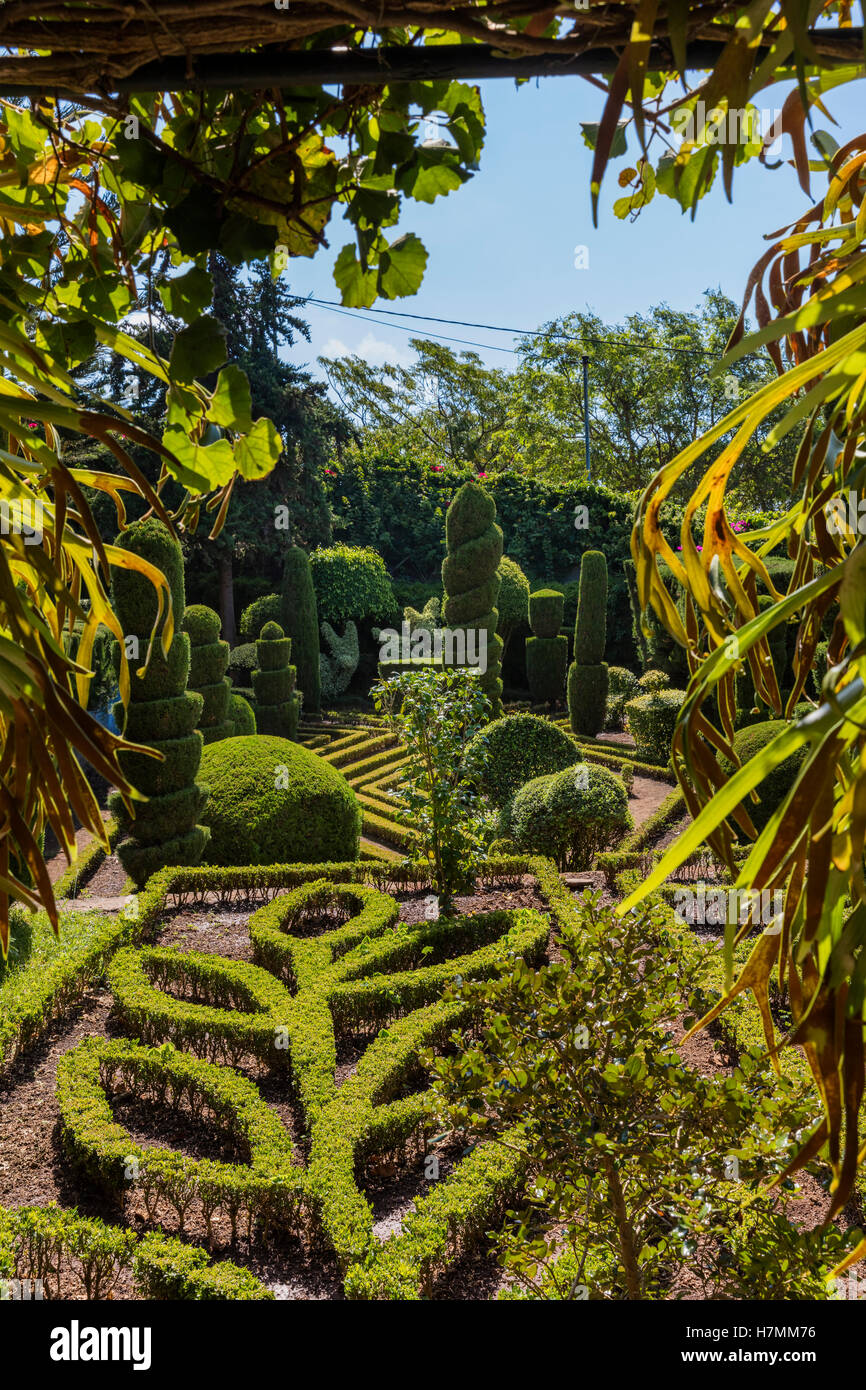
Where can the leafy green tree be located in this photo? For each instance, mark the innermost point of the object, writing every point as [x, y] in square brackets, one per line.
[640, 1167]
[436, 714]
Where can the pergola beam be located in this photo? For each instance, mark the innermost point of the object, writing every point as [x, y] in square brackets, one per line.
[362, 67]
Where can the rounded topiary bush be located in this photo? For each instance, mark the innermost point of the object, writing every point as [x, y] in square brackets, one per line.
[352, 583]
[241, 715]
[273, 802]
[774, 788]
[202, 624]
[570, 816]
[262, 610]
[622, 686]
[514, 749]
[546, 609]
[651, 721]
[512, 602]
[653, 680]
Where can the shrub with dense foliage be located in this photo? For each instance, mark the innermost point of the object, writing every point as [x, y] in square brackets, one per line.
[278, 705]
[748, 742]
[515, 749]
[587, 675]
[651, 719]
[299, 620]
[352, 584]
[627, 1148]
[162, 714]
[571, 815]
[274, 802]
[547, 649]
[513, 601]
[622, 686]
[242, 715]
[209, 658]
[339, 664]
[267, 609]
[470, 577]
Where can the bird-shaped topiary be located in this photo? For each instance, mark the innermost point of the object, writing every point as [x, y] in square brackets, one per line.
[339, 665]
[278, 704]
[209, 658]
[161, 713]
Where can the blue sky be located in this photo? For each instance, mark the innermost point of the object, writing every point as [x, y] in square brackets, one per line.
[501, 248]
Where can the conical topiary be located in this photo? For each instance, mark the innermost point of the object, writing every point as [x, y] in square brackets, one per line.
[300, 622]
[209, 658]
[470, 579]
[161, 713]
[547, 650]
[278, 705]
[587, 675]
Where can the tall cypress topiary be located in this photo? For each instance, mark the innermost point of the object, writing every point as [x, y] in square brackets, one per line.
[300, 622]
[470, 579]
[547, 650]
[209, 658]
[587, 675]
[278, 706]
[161, 713]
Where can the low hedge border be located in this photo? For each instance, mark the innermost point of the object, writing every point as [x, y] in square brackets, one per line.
[269, 1190]
[89, 1123]
[49, 1243]
[341, 988]
[672, 809]
[244, 1010]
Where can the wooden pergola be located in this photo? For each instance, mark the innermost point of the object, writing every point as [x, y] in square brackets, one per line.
[104, 48]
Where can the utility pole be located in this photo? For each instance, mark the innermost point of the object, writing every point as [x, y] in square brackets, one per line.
[585, 360]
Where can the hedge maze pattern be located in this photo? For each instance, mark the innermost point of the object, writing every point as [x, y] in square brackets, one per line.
[333, 965]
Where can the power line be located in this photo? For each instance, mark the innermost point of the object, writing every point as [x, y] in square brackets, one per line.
[442, 337]
[333, 305]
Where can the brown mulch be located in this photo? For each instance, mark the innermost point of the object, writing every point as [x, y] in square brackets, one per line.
[109, 881]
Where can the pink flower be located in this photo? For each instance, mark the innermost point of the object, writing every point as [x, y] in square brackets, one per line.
[482, 475]
[436, 467]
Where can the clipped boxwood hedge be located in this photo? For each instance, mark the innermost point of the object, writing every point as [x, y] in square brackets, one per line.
[513, 750]
[274, 802]
[651, 721]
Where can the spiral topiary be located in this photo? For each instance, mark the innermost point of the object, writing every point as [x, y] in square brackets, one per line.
[163, 714]
[209, 658]
[278, 706]
[587, 675]
[275, 802]
[547, 650]
[299, 619]
[470, 578]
